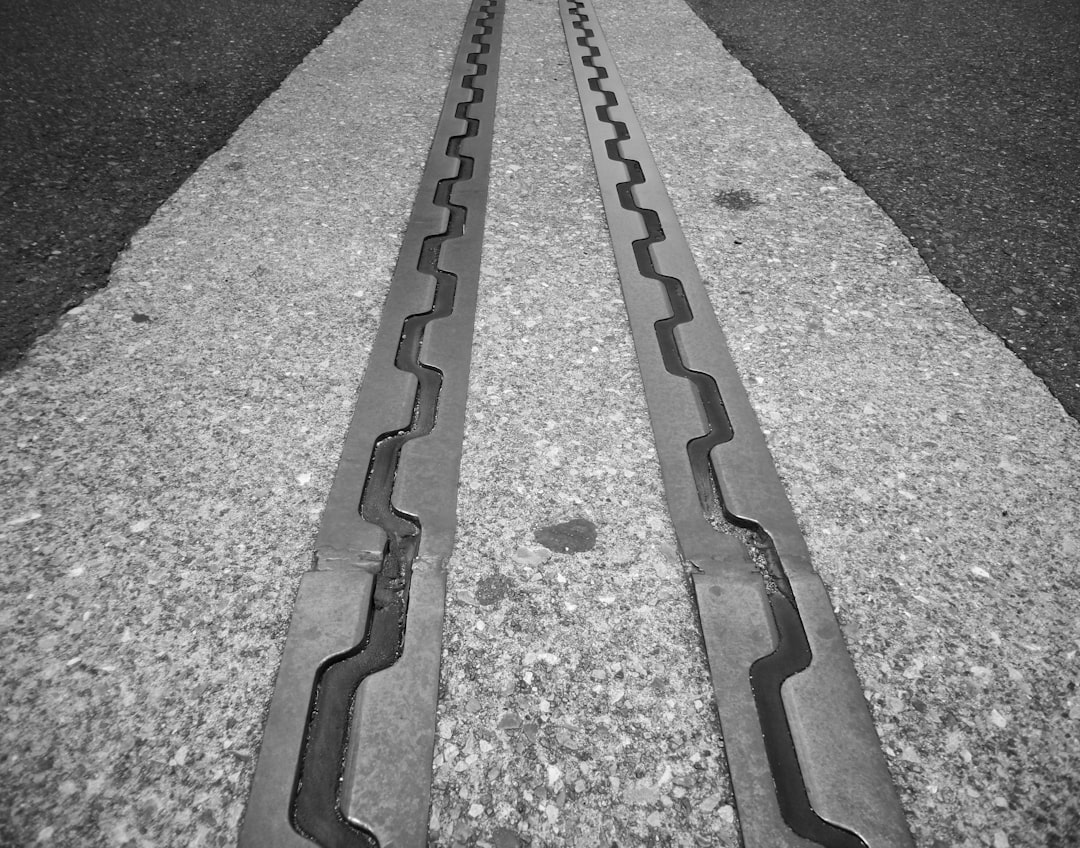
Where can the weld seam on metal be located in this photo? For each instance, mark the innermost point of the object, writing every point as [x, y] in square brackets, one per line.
[620, 141]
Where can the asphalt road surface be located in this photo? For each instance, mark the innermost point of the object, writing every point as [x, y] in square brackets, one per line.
[960, 118]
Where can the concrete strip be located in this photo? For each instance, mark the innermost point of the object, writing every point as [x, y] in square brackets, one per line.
[576, 705]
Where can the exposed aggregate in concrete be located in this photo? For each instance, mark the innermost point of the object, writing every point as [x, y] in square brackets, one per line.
[162, 478]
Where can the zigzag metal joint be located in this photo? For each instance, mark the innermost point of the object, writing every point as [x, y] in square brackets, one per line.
[725, 499]
[346, 755]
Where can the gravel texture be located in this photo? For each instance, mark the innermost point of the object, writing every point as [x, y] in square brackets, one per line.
[166, 451]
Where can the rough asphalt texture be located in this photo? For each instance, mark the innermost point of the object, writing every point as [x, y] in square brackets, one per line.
[165, 453]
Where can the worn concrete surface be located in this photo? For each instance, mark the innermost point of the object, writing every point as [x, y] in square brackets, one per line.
[162, 478]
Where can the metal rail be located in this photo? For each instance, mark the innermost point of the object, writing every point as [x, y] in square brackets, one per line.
[805, 761]
[347, 751]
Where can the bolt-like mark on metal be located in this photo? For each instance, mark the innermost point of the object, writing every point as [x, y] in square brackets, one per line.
[792, 654]
[316, 811]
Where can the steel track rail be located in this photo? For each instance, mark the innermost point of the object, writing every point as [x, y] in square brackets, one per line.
[804, 757]
[346, 755]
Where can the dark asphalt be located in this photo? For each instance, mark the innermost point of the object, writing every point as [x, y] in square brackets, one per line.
[960, 118]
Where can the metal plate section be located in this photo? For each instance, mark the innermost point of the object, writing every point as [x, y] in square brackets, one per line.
[346, 754]
[805, 760]
[328, 618]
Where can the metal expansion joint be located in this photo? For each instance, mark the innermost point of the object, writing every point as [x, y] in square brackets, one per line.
[346, 754]
[804, 758]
